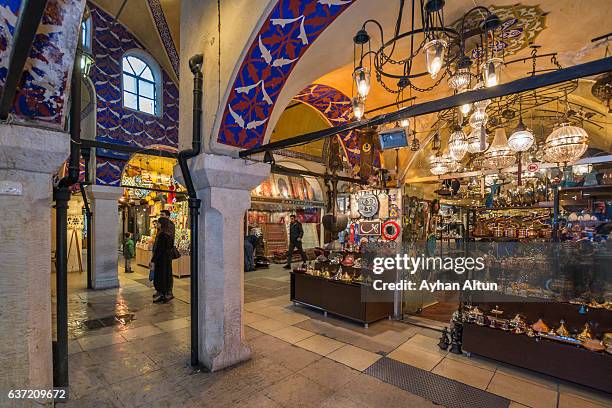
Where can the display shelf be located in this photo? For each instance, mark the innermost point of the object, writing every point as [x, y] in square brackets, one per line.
[346, 299]
[560, 360]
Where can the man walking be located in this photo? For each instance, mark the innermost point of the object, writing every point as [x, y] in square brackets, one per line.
[295, 241]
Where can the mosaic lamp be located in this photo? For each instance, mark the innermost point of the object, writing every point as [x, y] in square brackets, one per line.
[485, 102]
[435, 52]
[566, 144]
[499, 154]
[460, 79]
[361, 76]
[457, 144]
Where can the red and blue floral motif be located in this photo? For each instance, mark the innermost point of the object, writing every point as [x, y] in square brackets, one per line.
[289, 30]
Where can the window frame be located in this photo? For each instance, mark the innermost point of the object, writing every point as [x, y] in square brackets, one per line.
[86, 28]
[157, 82]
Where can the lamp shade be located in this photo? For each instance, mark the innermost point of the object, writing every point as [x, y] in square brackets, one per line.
[439, 165]
[479, 118]
[474, 142]
[484, 103]
[499, 154]
[566, 144]
[491, 71]
[358, 107]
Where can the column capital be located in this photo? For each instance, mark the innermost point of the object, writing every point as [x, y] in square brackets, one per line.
[212, 170]
[32, 149]
[99, 192]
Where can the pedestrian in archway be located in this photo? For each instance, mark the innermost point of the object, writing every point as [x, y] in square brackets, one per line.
[129, 251]
[161, 262]
[296, 232]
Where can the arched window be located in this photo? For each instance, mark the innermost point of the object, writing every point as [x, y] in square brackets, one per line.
[86, 34]
[141, 83]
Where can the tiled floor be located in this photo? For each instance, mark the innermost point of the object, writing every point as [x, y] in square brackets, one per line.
[299, 357]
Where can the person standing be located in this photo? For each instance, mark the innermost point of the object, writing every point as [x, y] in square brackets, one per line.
[166, 214]
[129, 252]
[296, 232]
[161, 262]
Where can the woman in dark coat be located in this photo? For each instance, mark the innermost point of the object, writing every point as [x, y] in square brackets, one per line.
[162, 262]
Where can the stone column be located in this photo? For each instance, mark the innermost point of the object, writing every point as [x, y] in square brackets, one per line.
[28, 158]
[224, 185]
[105, 233]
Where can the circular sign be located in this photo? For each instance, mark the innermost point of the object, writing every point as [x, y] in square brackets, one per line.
[390, 230]
[367, 205]
[533, 167]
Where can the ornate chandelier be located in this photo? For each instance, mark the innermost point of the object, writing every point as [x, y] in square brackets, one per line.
[439, 164]
[499, 155]
[457, 144]
[521, 139]
[474, 141]
[566, 144]
[441, 47]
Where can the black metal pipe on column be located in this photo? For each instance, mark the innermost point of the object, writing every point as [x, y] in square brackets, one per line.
[86, 153]
[195, 64]
[61, 195]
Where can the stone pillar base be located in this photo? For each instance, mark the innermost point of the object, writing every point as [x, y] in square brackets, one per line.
[224, 185]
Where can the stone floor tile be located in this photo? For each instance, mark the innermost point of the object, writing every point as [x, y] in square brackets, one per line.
[585, 393]
[292, 334]
[514, 404]
[101, 397]
[94, 342]
[524, 392]
[298, 391]
[174, 324]
[147, 389]
[574, 401]
[416, 357]
[258, 401]
[428, 344]
[465, 373]
[290, 318]
[140, 332]
[266, 345]
[528, 375]
[354, 357]
[325, 372]
[250, 333]
[116, 371]
[294, 358]
[74, 347]
[478, 361]
[267, 326]
[372, 392]
[250, 317]
[338, 401]
[320, 344]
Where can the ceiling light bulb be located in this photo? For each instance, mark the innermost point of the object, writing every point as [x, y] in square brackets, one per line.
[362, 81]
[404, 122]
[435, 52]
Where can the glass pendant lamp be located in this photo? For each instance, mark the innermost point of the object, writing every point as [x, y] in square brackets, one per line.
[521, 139]
[435, 52]
[439, 164]
[566, 144]
[361, 76]
[473, 140]
[491, 71]
[479, 118]
[358, 107]
[499, 155]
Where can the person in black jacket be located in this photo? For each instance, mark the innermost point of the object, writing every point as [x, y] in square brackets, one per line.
[162, 262]
[295, 241]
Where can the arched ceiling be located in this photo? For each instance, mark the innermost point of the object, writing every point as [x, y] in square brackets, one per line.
[140, 16]
[562, 26]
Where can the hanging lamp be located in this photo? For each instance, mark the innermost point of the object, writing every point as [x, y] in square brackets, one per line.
[439, 164]
[474, 141]
[566, 144]
[457, 144]
[499, 155]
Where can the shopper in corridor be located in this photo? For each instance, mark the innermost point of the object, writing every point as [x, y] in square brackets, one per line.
[162, 262]
[295, 240]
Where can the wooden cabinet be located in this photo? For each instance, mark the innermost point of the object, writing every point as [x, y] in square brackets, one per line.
[180, 267]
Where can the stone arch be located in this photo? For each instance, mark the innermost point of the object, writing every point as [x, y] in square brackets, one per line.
[287, 32]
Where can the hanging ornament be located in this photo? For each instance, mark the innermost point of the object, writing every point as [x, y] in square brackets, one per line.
[457, 144]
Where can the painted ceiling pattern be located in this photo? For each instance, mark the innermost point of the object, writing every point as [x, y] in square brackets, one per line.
[43, 89]
[289, 30]
[336, 108]
[164, 33]
[521, 24]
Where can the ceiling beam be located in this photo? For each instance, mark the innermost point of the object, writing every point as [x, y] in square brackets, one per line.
[520, 85]
[25, 30]
[127, 148]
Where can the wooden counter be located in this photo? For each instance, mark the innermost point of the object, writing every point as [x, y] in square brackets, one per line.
[180, 267]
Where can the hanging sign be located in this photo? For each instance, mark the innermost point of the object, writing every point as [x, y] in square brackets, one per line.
[533, 167]
[367, 204]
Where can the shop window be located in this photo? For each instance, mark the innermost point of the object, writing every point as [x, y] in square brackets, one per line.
[141, 83]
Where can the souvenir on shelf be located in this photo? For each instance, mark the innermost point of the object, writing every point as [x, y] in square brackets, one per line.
[593, 345]
[540, 326]
[383, 206]
[562, 330]
[586, 333]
